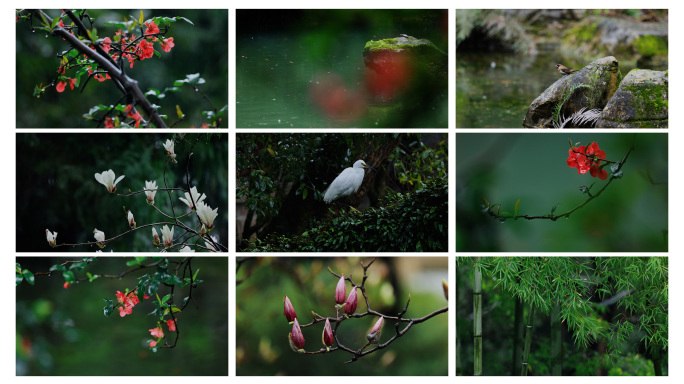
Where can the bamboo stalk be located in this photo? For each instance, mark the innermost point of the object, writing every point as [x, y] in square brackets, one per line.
[517, 336]
[556, 342]
[528, 340]
[477, 312]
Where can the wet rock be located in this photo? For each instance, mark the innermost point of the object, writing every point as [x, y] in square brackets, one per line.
[640, 102]
[387, 55]
[591, 87]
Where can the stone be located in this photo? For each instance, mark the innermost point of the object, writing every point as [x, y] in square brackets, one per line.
[640, 102]
[591, 87]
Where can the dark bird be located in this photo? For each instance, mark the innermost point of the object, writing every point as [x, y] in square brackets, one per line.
[563, 70]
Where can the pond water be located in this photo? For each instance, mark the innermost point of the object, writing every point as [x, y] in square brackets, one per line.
[315, 77]
[495, 90]
[275, 74]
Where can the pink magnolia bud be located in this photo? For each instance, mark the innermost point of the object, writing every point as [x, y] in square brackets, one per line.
[296, 337]
[327, 334]
[374, 335]
[340, 291]
[288, 310]
[352, 301]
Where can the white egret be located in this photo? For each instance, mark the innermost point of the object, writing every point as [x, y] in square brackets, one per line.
[346, 182]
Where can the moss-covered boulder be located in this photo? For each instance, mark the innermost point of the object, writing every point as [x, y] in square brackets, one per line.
[386, 55]
[640, 102]
[591, 87]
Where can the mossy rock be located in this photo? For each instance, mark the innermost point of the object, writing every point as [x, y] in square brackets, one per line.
[591, 87]
[641, 101]
[387, 55]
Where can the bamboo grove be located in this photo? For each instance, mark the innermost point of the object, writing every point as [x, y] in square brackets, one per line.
[561, 315]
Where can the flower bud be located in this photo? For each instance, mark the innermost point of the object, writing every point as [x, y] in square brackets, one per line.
[288, 310]
[296, 337]
[131, 221]
[352, 301]
[51, 238]
[99, 237]
[327, 334]
[445, 287]
[340, 291]
[66, 285]
[155, 237]
[374, 335]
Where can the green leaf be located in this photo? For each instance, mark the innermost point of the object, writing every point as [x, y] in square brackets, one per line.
[174, 280]
[20, 278]
[165, 299]
[515, 212]
[69, 276]
[57, 267]
[184, 19]
[28, 276]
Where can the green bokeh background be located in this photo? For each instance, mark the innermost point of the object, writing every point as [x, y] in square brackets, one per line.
[629, 216]
[56, 187]
[200, 48]
[67, 334]
[262, 346]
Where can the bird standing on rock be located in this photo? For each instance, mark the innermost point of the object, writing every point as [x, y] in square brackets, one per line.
[346, 182]
[563, 70]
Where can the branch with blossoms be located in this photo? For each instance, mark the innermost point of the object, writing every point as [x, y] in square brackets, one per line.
[182, 276]
[92, 57]
[191, 233]
[587, 159]
[330, 340]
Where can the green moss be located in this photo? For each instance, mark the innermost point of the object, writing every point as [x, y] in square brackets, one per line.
[582, 33]
[648, 101]
[650, 45]
[391, 44]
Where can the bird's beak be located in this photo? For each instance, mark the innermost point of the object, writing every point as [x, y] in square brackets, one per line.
[369, 167]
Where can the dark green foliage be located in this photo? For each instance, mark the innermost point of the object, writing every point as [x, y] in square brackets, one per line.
[415, 222]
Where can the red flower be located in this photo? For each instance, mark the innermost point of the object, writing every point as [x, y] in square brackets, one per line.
[152, 343]
[157, 332]
[72, 82]
[151, 28]
[167, 44]
[340, 291]
[146, 49]
[66, 285]
[60, 86]
[171, 324]
[108, 123]
[587, 159]
[106, 44]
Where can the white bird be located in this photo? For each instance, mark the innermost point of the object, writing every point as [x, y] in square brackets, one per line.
[346, 182]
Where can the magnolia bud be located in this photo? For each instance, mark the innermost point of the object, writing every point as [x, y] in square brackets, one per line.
[327, 334]
[296, 337]
[340, 291]
[374, 335]
[288, 310]
[352, 301]
[445, 287]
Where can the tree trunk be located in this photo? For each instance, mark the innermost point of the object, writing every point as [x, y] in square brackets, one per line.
[528, 340]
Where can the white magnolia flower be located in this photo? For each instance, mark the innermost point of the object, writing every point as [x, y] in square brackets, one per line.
[106, 178]
[51, 237]
[206, 214]
[195, 196]
[131, 221]
[209, 245]
[169, 150]
[167, 236]
[186, 249]
[99, 237]
[150, 190]
[155, 237]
